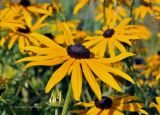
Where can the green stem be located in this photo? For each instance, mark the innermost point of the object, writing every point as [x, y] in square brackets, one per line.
[104, 11]
[67, 100]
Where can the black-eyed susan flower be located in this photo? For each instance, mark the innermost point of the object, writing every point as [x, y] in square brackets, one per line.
[75, 59]
[25, 5]
[153, 66]
[25, 36]
[113, 106]
[146, 7]
[9, 19]
[112, 37]
[113, 14]
[156, 105]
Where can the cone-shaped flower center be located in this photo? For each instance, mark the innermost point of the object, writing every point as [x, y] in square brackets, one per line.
[104, 103]
[78, 51]
[26, 30]
[108, 33]
[25, 3]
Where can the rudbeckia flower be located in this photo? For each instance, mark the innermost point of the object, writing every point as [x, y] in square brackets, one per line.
[75, 59]
[25, 5]
[157, 106]
[113, 106]
[113, 14]
[112, 37]
[146, 7]
[24, 36]
[153, 63]
[8, 19]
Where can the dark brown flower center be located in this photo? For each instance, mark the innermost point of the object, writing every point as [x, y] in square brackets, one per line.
[49, 35]
[25, 3]
[104, 103]
[108, 33]
[26, 30]
[158, 52]
[146, 3]
[139, 61]
[78, 51]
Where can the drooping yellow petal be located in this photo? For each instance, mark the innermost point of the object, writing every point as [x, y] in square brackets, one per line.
[119, 46]
[94, 111]
[12, 41]
[124, 100]
[111, 112]
[111, 48]
[118, 72]
[91, 79]
[59, 74]
[76, 80]
[21, 43]
[103, 75]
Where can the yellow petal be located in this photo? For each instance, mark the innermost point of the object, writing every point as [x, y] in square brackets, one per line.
[28, 18]
[76, 80]
[67, 33]
[58, 75]
[94, 111]
[52, 62]
[79, 6]
[118, 72]
[84, 104]
[123, 23]
[103, 75]
[91, 79]
[116, 58]
[46, 41]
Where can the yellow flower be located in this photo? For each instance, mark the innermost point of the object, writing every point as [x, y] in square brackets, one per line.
[146, 7]
[25, 5]
[157, 106]
[153, 63]
[113, 106]
[24, 36]
[8, 19]
[76, 60]
[113, 14]
[113, 37]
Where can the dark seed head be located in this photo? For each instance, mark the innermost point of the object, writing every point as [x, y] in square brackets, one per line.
[25, 3]
[158, 52]
[78, 51]
[49, 35]
[104, 103]
[108, 33]
[146, 3]
[26, 30]
[139, 61]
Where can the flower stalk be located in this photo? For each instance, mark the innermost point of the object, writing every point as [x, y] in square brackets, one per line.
[67, 100]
